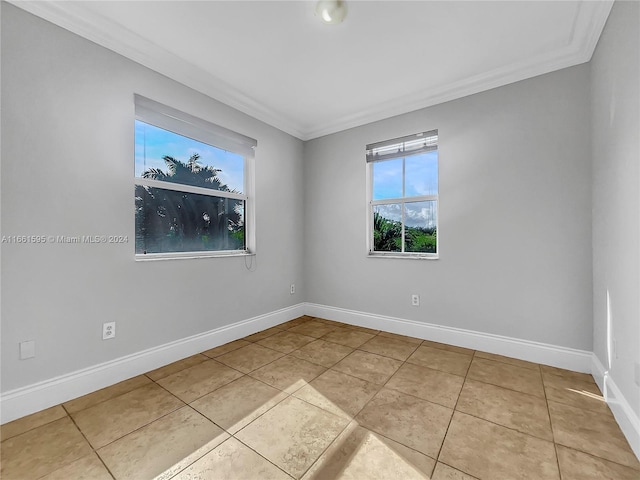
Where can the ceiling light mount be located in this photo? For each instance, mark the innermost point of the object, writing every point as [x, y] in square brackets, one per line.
[331, 12]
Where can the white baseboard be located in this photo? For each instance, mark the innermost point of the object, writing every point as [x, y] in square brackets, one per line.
[33, 398]
[622, 411]
[553, 355]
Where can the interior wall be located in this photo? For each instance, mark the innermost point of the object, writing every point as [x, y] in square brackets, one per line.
[67, 169]
[515, 216]
[615, 76]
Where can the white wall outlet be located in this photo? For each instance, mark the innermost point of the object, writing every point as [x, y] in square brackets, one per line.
[292, 290]
[108, 330]
[415, 300]
[27, 349]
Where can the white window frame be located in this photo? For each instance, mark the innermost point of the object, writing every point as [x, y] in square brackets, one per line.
[180, 123]
[401, 147]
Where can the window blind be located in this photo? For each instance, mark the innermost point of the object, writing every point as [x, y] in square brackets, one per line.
[168, 118]
[403, 146]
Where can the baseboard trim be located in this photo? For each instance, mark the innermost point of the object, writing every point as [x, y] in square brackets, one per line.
[33, 398]
[625, 416]
[553, 355]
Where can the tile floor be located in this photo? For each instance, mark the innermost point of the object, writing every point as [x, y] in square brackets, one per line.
[314, 399]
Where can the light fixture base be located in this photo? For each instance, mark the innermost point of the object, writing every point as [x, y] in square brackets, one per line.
[331, 12]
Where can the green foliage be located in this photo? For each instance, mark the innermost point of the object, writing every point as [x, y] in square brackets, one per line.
[174, 221]
[387, 236]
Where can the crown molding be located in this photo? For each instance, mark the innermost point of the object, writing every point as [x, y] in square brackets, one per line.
[588, 24]
[72, 16]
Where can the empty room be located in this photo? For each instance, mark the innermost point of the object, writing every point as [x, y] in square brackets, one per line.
[318, 240]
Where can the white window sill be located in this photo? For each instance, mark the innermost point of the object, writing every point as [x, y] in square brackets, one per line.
[151, 257]
[405, 256]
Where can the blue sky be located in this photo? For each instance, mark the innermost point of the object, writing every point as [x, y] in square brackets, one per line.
[421, 172]
[421, 178]
[153, 143]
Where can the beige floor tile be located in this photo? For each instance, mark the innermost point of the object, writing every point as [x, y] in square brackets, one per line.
[433, 385]
[328, 322]
[86, 468]
[302, 431]
[439, 359]
[574, 392]
[338, 393]
[447, 347]
[568, 374]
[520, 411]
[445, 472]
[389, 347]
[489, 451]
[238, 403]
[247, 359]
[286, 342]
[368, 366]
[107, 393]
[196, 381]
[288, 373]
[313, 328]
[508, 376]
[42, 450]
[511, 361]
[411, 421]
[164, 447]
[323, 353]
[404, 338]
[112, 419]
[359, 454]
[175, 367]
[30, 422]
[591, 432]
[294, 323]
[232, 461]
[348, 337]
[372, 331]
[226, 348]
[576, 465]
[263, 334]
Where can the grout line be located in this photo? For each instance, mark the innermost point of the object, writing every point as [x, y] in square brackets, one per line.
[94, 451]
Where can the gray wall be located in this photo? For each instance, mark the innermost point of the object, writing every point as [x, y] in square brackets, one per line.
[67, 169]
[615, 74]
[515, 216]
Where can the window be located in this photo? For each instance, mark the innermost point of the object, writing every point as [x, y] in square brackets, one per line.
[193, 182]
[403, 196]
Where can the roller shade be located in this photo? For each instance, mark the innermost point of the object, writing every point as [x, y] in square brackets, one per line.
[403, 146]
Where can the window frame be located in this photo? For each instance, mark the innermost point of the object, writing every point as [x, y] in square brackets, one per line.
[371, 159]
[180, 123]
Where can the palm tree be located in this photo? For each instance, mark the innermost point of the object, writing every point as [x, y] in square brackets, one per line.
[387, 234]
[168, 220]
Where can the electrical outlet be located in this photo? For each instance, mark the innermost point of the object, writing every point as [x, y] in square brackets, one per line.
[637, 373]
[293, 288]
[27, 349]
[108, 330]
[415, 300]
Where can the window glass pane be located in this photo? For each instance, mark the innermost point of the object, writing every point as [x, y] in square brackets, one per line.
[420, 226]
[387, 228]
[169, 157]
[387, 179]
[421, 172]
[171, 221]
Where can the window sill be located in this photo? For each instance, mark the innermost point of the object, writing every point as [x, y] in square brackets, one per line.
[152, 257]
[405, 256]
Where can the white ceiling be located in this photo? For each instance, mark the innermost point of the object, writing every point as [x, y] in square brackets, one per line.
[276, 61]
